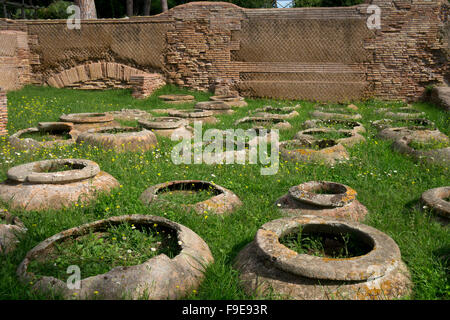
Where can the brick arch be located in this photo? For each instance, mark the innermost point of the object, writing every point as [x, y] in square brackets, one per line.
[104, 75]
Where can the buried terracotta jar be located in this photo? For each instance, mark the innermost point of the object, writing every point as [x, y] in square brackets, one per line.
[438, 200]
[416, 122]
[53, 133]
[280, 112]
[166, 126]
[221, 202]
[401, 113]
[231, 100]
[86, 121]
[130, 114]
[120, 139]
[322, 198]
[375, 271]
[324, 151]
[270, 122]
[158, 278]
[335, 113]
[440, 156]
[54, 184]
[349, 139]
[11, 230]
[216, 107]
[195, 115]
[319, 123]
[416, 133]
[177, 98]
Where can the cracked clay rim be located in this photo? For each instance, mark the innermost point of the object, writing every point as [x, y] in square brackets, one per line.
[30, 172]
[87, 117]
[383, 258]
[305, 193]
[164, 123]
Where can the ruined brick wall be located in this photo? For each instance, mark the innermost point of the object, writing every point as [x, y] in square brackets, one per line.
[3, 112]
[410, 51]
[325, 54]
[15, 59]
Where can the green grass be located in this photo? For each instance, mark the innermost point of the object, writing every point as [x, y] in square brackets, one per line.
[178, 197]
[388, 184]
[430, 145]
[333, 135]
[98, 252]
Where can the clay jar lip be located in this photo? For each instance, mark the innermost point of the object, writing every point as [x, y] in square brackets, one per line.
[191, 113]
[176, 97]
[163, 123]
[306, 193]
[151, 194]
[212, 105]
[10, 219]
[32, 172]
[418, 122]
[304, 144]
[126, 131]
[87, 117]
[381, 259]
[100, 225]
[264, 119]
[226, 97]
[435, 199]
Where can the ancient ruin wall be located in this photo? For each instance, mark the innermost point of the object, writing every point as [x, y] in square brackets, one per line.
[302, 53]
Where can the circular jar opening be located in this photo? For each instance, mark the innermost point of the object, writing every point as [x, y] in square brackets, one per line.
[99, 250]
[53, 166]
[341, 124]
[187, 192]
[49, 135]
[328, 135]
[327, 241]
[119, 130]
[315, 145]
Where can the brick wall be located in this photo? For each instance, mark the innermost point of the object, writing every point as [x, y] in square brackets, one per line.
[3, 112]
[15, 59]
[325, 54]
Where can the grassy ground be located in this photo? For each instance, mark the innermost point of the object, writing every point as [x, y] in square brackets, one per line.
[388, 184]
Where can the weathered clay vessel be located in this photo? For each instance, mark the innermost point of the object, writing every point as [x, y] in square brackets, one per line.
[401, 113]
[269, 112]
[195, 115]
[130, 114]
[418, 122]
[223, 201]
[319, 123]
[351, 137]
[120, 139]
[55, 130]
[271, 122]
[11, 230]
[266, 265]
[324, 151]
[415, 133]
[231, 100]
[167, 126]
[86, 121]
[156, 279]
[54, 184]
[437, 199]
[434, 156]
[177, 98]
[216, 107]
[335, 113]
[339, 201]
